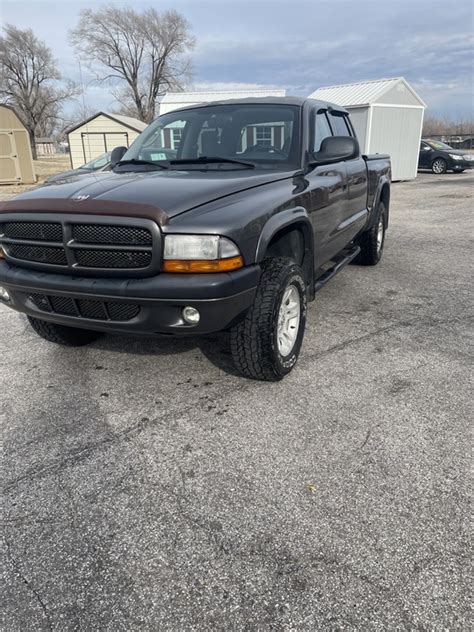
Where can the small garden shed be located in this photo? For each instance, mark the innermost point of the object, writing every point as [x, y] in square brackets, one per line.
[100, 133]
[16, 161]
[387, 115]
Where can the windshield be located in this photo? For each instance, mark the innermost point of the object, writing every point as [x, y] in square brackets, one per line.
[263, 135]
[97, 163]
[437, 144]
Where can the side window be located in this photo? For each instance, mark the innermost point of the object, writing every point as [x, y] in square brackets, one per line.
[321, 130]
[339, 125]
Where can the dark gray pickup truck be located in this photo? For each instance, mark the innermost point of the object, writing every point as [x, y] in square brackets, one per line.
[265, 201]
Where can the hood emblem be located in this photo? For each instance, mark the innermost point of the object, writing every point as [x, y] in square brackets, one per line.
[80, 198]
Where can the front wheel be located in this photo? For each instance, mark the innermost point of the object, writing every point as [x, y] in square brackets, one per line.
[439, 166]
[266, 344]
[62, 335]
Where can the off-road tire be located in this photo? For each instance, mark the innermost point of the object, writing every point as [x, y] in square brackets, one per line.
[370, 253]
[61, 335]
[254, 343]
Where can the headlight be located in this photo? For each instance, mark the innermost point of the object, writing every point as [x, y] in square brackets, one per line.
[200, 253]
[455, 157]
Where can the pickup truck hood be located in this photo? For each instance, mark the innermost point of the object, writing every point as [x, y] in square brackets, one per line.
[156, 195]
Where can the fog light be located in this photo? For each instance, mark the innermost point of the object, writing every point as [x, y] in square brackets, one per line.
[191, 315]
[4, 295]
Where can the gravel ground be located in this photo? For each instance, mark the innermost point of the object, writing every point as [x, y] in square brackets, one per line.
[148, 487]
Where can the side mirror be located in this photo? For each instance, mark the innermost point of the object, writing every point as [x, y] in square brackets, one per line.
[116, 155]
[335, 149]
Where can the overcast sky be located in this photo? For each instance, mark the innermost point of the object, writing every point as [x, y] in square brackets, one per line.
[297, 45]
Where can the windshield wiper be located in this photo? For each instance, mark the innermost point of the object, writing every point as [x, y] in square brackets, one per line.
[210, 159]
[136, 161]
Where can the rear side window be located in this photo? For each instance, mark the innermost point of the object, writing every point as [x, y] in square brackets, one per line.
[321, 130]
[339, 125]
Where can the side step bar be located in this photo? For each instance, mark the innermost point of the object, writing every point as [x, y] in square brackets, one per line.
[346, 257]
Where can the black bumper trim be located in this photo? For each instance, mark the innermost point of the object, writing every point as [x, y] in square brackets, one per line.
[220, 298]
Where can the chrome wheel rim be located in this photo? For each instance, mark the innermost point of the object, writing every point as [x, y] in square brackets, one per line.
[380, 230]
[438, 166]
[288, 320]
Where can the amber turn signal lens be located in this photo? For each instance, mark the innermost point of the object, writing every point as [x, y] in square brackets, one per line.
[2, 254]
[215, 265]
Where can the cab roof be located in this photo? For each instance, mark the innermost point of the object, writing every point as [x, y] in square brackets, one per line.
[273, 100]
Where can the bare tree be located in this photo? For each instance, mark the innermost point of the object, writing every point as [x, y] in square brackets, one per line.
[146, 51]
[29, 81]
[438, 126]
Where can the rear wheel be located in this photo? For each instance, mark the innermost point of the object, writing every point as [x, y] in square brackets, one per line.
[62, 335]
[372, 241]
[439, 166]
[266, 344]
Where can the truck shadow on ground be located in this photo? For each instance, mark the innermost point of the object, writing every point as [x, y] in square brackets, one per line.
[215, 348]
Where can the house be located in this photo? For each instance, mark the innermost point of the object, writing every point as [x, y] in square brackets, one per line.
[45, 146]
[101, 133]
[387, 115]
[16, 161]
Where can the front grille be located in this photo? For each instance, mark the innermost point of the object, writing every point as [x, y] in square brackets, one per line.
[63, 305]
[40, 254]
[113, 258]
[37, 231]
[76, 245]
[85, 308]
[102, 234]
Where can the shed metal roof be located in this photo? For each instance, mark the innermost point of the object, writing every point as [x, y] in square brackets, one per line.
[361, 93]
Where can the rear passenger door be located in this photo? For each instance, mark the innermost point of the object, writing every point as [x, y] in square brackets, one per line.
[355, 213]
[424, 158]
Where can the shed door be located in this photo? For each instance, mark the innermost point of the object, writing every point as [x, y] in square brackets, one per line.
[9, 165]
[96, 143]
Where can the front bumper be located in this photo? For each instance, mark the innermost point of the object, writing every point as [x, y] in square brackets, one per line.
[220, 298]
[462, 164]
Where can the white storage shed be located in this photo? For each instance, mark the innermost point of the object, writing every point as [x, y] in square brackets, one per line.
[100, 133]
[387, 115]
[175, 100]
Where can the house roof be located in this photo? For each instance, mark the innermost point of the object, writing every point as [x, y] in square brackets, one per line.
[128, 121]
[201, 97]
[361, 93]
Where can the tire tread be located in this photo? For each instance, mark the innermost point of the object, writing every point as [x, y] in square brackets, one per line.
[251, 346]
[62, 335]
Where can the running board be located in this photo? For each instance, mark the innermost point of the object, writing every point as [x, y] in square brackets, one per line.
[346, 257]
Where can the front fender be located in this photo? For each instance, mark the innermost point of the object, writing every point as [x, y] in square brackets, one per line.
[297, 217]
[279, 221]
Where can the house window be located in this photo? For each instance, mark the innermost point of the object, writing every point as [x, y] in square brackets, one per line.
[176, 138]
[264, 135]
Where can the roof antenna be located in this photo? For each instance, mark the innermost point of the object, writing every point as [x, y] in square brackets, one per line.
[84, 110]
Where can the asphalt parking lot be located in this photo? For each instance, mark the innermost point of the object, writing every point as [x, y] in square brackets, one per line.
[149, 488]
